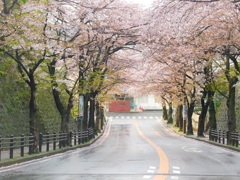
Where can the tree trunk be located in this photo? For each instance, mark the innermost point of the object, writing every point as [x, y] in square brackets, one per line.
[179, 117]
[232, 80]
[33, 111]
[189, 116]
[212, 122]
[170, 112]
[60, 107]
[86, 112]
[98, 117]
[203, 114]
[231, 106]
[56, 95]
[102, 117]
[165, 115]
[68, 113]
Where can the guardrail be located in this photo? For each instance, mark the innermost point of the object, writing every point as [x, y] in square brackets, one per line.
[218, 136]
[11, 143]
[222, 136]
[235, 138]
[18, 146]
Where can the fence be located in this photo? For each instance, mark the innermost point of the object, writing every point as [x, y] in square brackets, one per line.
[222, 136]
[235, 138]
[19, 146]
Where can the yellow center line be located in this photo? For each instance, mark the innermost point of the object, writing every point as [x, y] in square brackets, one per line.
[164, 163]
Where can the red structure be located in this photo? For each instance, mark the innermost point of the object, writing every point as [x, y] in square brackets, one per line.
[119, 106]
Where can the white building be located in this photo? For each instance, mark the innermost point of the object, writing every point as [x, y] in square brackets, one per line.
[147, 103]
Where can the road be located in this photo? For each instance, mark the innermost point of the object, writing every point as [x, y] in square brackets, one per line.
[135, 146]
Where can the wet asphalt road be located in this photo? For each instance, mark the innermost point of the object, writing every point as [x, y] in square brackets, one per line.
[135, 146]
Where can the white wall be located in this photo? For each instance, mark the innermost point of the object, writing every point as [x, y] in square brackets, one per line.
[147, 102]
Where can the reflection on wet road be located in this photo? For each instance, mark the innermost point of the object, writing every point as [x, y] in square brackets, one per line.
[135, 146]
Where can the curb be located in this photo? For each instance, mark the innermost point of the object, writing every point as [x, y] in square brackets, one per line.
[214, 143]
[205, 140]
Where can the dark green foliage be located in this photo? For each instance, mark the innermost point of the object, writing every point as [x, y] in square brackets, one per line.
[13, 104]
[49, 119]
[14, 101]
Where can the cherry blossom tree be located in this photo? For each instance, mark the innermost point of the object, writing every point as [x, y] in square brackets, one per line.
[220, 37]
[188, 36]
[27, 49]
[107, 38]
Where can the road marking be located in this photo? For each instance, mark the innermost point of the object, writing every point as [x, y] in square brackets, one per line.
[164, 163]
[195, 150]
[147, 177]
[176, 170]
[151, 171]
[137, 117]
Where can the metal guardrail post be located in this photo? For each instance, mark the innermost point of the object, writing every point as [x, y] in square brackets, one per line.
[219, 136]
[47, 141]
[75, 138]
[228, 137]
[0, 147]
[65, 140]
[210, 135]
[237, 140]
[22, 144]
[87, 135]
[92, 133]
[54, 141]
[79, 137]
[11, 146]
[40, 142]
[70, 138]
[30, 143]
[60, 139]
[232, 138]
[224, 135]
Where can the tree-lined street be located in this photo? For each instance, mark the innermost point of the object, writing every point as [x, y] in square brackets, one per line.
[64, 63]
[134, 146]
